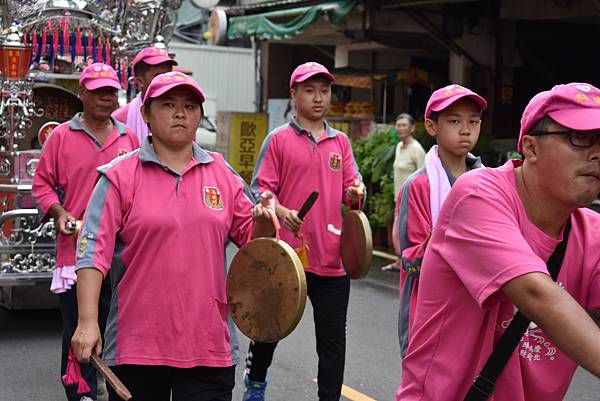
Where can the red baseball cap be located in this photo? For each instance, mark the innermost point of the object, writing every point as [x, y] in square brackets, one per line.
[307, 70]
[99, 75]
[153, 56]
[444, 97]
[574, 105]
[165, 82]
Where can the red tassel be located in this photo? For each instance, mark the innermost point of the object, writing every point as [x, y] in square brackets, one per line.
[107, 47]
[73, 375]
[44, 38]
[55, 40]
[66, 37]
[78, 45]
[82, 387]
[34, 42]
[90, 46]
[99, 50]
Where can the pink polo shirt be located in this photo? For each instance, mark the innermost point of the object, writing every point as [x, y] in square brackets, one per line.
[131, 116]
[120, 114]
[164, 235]
[66, 172]
[461, 311]
[291, 165]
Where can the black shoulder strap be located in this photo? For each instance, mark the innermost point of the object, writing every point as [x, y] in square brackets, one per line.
[484, 384]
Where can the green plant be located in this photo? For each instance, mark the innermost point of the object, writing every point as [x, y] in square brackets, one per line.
[380, 205]
[375, 157]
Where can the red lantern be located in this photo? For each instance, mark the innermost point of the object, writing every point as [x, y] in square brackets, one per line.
[14, 61]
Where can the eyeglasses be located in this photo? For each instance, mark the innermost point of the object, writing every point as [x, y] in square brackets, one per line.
[579, 139]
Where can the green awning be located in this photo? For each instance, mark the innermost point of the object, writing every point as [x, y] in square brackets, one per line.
[263, 27]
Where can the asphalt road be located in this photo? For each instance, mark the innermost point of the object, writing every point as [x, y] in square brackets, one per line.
[30, 352]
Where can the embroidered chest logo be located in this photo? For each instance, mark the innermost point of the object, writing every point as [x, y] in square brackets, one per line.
[335, 161]
[212, 198]
[122, 152]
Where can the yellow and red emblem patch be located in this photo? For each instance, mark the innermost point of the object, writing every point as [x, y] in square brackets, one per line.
[212, 198]
[335, 161]
[122, 152]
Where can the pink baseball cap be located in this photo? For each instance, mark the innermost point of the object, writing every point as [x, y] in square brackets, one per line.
[153, 56]
[99, 75]
[165, 82]
[574, 105]
[307, 70]
[444, 97]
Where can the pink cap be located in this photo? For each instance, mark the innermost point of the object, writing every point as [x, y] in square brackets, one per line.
[444, 97]
[575, 105]
[165, 82]
[153, 56]
[99, 75]
[307, 70]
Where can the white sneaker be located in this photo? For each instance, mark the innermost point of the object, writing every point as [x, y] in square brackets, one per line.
[85, 398]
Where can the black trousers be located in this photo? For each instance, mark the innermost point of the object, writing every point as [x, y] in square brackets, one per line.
[68, 311]
[157, 383]
[329, 298]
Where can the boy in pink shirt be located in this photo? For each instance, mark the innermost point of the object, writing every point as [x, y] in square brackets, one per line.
[453, 118]
[147, 64]
[63, 183]
[475, 275]
[297, 158]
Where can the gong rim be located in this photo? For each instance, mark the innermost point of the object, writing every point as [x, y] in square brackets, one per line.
[357, 254]
[245, 316]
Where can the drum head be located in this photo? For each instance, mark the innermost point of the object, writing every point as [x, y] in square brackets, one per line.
[356, 244]
[266, 289]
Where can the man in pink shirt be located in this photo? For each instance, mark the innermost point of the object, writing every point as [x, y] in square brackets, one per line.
[147, 64]
[476, 274]
[297, 158]
[64, 180]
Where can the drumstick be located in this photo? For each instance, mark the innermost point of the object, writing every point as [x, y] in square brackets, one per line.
[312, 198]
[110, 377]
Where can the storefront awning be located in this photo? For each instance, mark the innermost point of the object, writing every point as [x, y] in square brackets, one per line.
[263, 26]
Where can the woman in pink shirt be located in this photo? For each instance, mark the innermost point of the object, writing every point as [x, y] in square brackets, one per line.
[159, 220]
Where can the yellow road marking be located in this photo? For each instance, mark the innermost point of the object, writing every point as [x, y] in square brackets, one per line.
[352, 394]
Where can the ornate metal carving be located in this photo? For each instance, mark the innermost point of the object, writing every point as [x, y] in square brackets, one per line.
[23, 263]
[28, 246]
[146, 22]
[134, 24]
[28, 230]
[17, 108]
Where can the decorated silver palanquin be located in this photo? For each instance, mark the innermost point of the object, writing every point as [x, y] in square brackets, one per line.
[44, 44]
